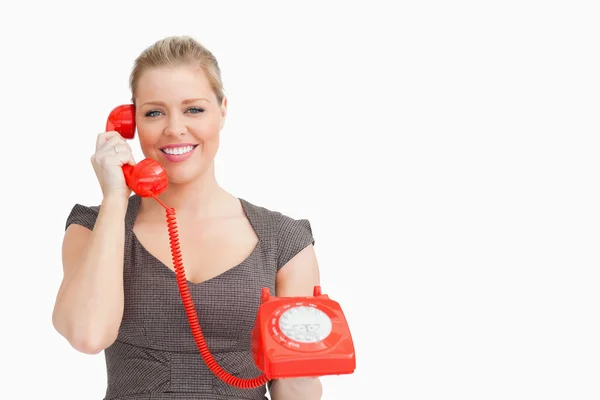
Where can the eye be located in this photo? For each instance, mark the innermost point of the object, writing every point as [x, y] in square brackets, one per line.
[196, 110]
[152, 113]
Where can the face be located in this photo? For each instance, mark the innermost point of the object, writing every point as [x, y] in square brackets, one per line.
[178, 120]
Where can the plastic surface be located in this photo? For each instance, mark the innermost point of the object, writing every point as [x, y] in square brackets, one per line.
[147, 178]
[122, 119]
[292, 337]
[304, 347]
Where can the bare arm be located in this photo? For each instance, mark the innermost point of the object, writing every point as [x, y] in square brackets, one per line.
[298, 277]
[89, 304]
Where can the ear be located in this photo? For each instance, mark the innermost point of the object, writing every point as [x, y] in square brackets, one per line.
[223, 111]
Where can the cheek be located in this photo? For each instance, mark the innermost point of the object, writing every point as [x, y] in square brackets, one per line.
[146, 142]
[210, 130]
[148, 136]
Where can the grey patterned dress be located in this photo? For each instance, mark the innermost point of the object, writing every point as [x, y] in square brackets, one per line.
[155, 356]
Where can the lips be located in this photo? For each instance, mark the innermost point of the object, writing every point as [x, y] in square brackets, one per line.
[178, 152]
[179, 148]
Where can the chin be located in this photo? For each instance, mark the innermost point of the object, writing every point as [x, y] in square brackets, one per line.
[182, 174]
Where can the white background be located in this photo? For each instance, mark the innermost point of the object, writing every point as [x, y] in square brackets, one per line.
[446, 154]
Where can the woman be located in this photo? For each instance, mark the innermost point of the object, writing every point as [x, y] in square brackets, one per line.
[119, 293]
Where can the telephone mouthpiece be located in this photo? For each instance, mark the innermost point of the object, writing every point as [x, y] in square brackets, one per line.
[147, 178]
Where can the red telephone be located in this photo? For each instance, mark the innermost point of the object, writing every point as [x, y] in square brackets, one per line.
[292, 336]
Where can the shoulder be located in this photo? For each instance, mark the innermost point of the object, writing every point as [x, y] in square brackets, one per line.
[86, 215]
[291, 234]
[283, 225]
[294, 255]
[83, 215]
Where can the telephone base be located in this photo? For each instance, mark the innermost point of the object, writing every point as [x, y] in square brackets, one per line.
[302, 368]
[302, 337]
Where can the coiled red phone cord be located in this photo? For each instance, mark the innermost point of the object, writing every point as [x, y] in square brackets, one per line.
[188, 304]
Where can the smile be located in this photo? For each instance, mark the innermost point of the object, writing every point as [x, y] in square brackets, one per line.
[174, 151]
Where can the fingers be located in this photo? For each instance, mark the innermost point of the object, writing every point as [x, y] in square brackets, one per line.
[120, 152]
[113, 150]
[113, 157]
[112, 142]
[106, 136]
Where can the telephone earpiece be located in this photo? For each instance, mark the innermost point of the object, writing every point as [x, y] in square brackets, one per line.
[122, 120]
[147, 178]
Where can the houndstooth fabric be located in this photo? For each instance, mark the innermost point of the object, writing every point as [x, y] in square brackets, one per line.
[155, 356]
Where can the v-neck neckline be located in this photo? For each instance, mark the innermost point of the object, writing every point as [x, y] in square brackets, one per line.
[135, 203]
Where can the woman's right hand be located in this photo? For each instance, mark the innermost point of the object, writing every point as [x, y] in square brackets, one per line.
[112, 152]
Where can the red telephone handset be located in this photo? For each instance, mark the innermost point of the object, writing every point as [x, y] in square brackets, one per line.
[147, 178]
[292, 336]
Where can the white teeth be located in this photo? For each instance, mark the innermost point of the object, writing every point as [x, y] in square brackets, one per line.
[178, 150]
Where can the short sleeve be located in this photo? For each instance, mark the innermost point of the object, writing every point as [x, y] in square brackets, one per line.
[83, 215]
[293, 235]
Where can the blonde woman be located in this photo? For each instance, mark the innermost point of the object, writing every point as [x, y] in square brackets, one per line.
[119, 293]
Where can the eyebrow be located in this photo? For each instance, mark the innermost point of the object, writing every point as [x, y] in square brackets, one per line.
[186, 101]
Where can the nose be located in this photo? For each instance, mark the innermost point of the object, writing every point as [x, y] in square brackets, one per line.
[174, 126]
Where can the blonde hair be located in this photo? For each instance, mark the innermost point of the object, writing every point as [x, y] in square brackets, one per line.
[174, 51]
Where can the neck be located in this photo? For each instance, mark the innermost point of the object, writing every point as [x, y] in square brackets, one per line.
[201, 198]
